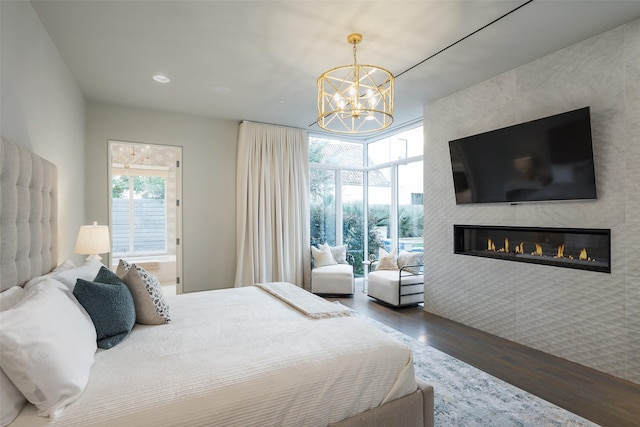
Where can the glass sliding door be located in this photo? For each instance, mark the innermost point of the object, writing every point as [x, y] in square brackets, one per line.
[410, 208]
[336, 194]
[323, 206]
[352, 187]
[380, 200]
[367, 195]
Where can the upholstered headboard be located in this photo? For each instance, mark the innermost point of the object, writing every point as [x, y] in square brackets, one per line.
[28, 215]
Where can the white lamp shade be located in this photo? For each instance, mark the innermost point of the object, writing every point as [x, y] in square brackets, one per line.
[93, 239]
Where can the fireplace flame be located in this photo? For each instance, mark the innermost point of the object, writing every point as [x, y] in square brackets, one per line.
[518, 249]
[538, 250]
[583, 254]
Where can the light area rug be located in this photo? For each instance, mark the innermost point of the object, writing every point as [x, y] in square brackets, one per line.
[467, 396]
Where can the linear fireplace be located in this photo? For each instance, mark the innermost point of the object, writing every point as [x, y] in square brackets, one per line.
[584, 249]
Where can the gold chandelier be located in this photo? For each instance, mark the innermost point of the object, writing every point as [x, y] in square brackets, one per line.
[127, 156]
[355, 99]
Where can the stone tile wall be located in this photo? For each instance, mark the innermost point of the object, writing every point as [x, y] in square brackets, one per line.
[587, 317]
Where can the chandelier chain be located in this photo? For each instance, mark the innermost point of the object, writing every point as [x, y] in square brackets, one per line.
[355, 61]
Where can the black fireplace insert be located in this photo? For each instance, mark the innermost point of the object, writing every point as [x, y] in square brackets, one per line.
[580, 248]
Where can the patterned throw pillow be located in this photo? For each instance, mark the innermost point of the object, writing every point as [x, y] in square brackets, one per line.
[410, 259]
[339, 253]
[151, 306]
[387, 261]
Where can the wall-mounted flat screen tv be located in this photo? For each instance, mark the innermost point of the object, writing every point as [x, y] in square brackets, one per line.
[545, 159]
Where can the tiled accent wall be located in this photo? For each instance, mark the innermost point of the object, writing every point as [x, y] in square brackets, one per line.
[588, 317]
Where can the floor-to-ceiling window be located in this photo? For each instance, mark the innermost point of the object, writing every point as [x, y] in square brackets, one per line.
[336, 194]
[373, 189]
[394, 165]
[323, 206]
[410, 209]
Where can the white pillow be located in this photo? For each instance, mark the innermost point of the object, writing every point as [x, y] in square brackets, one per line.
[11, 297]
[87, 271]
[410, 260]
[67, 265]
[48, 346]
[12, 399]
[387, 261]
[339, 253]
[322, 257]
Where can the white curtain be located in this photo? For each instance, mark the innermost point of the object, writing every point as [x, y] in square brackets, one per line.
[272, 205]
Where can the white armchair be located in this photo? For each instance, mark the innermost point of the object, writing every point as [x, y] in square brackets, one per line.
[331, 272]
[398, 288]
[401, 282]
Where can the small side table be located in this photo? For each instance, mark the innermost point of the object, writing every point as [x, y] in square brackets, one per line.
[365, 268]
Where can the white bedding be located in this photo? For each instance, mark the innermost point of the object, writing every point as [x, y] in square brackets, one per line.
[239, 357]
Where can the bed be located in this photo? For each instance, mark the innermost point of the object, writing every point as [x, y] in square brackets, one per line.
[269, 354]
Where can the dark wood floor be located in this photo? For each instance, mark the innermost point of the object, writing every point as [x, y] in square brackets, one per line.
[601, 398]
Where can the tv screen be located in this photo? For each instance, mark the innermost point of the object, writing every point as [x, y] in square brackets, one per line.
[545, 159]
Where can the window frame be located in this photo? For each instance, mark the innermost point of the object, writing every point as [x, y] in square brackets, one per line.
[392, 164]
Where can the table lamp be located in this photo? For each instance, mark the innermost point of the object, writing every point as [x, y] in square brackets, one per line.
[93, 240]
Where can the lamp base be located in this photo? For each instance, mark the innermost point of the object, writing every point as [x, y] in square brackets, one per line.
[93, 257]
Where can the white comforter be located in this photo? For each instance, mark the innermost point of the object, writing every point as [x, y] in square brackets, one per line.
[239, 357]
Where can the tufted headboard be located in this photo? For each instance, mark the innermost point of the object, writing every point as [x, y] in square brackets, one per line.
[28, 215]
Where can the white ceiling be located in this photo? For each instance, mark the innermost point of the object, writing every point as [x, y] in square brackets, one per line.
[270, 53]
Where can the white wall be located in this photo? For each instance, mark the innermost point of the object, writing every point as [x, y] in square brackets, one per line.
[587, 317]
[208, 180]
[43, 110]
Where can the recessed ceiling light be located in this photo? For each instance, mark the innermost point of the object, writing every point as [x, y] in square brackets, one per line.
[161, 78]
[221, 90]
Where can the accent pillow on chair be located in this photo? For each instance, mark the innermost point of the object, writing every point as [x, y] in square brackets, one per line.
[339, 253]
[387, 260]
[322, 257]
[412, 261]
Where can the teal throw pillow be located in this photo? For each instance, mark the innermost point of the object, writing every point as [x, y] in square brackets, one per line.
[110, 306]
[107, 276]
